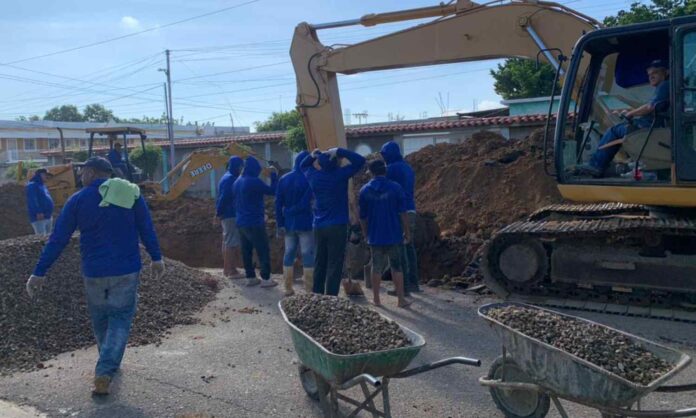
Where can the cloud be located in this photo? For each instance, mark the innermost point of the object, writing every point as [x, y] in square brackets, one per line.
[488, 105]
[129, 22]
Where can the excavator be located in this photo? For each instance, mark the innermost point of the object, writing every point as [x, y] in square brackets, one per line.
[627, 242]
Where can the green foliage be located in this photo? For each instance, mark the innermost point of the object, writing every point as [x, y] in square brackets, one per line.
[659, 9]
[31, 118]
[98, 113]
[146, 120]
[79, 156]
[11, 172]
[520, 78]
[280, 121]
[295, 139]
[65, 113]
[148, 160]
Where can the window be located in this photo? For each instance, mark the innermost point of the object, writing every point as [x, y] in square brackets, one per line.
[689, 61]
[29, 144]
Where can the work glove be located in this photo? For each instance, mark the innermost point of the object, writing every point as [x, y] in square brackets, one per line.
[35, 284]
[280, 232]
[157, 268]
[316, 153]
[332, 152]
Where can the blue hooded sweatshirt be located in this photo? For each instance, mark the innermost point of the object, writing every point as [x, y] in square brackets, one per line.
[330, 186]
[293, 202]
[249, 190]
[399, 171]
[224, 205]
[39, 200]
[381, 203]
[109, 236]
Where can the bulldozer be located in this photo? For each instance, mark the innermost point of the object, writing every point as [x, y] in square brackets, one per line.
[627, 242]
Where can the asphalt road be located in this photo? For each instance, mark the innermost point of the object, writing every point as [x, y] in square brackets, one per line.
[239, 362]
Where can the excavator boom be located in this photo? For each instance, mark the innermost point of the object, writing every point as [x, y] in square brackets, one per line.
[464, 31]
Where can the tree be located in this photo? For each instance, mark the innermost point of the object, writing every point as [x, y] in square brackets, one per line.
[11, 172]
[31, 118]
[280, 121]
[98, 113]
[659, 9]
[520, 78]
[64, 113]
[295, 139]
[148, 160]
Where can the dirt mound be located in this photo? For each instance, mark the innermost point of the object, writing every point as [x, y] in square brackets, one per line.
[57, 321]
[13, 211]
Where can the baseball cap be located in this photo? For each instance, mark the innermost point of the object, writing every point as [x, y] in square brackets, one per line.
[658, 64]
[99, 163]
[43, 171]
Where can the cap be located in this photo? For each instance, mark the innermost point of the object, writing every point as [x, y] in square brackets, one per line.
[377, 167]
[99, 163]
[658, 64]
[43, 171]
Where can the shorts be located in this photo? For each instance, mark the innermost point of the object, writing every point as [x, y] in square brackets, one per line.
[230, 233]
[43, 227]
[384, 256]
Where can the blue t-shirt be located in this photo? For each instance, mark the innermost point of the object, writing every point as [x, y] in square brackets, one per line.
[382, 201]
[661, 93]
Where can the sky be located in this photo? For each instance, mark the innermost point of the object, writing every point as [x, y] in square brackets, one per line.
[231, 67]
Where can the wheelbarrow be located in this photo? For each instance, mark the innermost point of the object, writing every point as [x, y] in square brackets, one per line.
[531, 374]
[324, 375]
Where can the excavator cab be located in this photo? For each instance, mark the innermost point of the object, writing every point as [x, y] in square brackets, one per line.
[656, 159]
[125, 169]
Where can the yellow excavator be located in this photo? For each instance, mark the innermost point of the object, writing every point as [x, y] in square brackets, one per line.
[629, 243]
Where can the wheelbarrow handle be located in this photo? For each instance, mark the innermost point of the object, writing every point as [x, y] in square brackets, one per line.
[365, 377]
[436, 365]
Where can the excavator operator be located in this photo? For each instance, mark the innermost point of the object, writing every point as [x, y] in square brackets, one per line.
[658, 74]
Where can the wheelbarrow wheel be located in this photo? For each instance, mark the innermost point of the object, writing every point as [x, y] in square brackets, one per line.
[517, 403]
[309, 382]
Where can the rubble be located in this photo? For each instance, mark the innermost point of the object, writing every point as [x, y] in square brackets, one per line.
[14, 221]
[341, 326]
[57, 320]
[602, 346]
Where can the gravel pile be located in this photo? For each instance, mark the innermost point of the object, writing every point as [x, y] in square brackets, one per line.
[14, 221]
[606, 348]
[341, 326]
[57, 320]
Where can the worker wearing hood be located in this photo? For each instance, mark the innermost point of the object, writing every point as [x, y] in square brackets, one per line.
[401, 172]
[384, 223]
[39, 203]
[293, 208]
[226, 213]
[329, 183]
[248, 193]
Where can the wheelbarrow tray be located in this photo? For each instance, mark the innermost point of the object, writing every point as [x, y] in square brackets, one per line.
[338, 368]
[571, 377]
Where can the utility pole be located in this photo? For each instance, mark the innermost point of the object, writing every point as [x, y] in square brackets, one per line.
[168, 105]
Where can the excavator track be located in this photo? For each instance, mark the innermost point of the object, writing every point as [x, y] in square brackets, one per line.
[612, 258]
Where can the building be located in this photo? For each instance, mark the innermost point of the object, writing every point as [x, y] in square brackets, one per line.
[28, 141]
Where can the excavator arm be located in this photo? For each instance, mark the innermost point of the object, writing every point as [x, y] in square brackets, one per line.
[463, 31]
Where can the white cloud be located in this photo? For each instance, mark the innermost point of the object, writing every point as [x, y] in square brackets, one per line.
[129, 22]
[488, 104]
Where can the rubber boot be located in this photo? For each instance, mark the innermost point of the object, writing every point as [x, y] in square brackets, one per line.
[288, 273]
[308, 276]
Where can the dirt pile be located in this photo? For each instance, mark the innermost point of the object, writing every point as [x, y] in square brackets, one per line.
[599, 345]
[341, 326]
[483, 184]
[57, 320]
[13, 211]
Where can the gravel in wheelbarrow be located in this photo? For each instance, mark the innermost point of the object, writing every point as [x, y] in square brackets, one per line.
[343, 327]
[599, 345]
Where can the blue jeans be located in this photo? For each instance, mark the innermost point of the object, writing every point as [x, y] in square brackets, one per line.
[306, 241]
[254, 237]
[111, 302]
[602, 157]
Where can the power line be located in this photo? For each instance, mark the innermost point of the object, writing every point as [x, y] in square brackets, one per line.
[102, 42]
[232, 71]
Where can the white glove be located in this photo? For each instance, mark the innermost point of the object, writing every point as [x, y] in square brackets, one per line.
[34, 284]
[332, 152]
[316, 153]
[157, 268]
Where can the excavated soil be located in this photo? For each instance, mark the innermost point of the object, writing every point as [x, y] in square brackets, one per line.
[13, 211]
[341, 326]
[56, 321]
[602, 346]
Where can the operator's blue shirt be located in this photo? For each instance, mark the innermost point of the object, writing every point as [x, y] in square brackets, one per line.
[109, 236]
[660, 95]
[249, 190]
[382, 201]
[224, 205]
[330, 186]
[293, 202]
[39, 200]
[400, 171]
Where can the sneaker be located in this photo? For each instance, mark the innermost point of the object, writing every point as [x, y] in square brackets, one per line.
[253, 281]
[269, 283]
[101, 385]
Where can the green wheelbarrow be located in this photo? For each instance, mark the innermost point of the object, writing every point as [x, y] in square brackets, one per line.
[324, 375]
